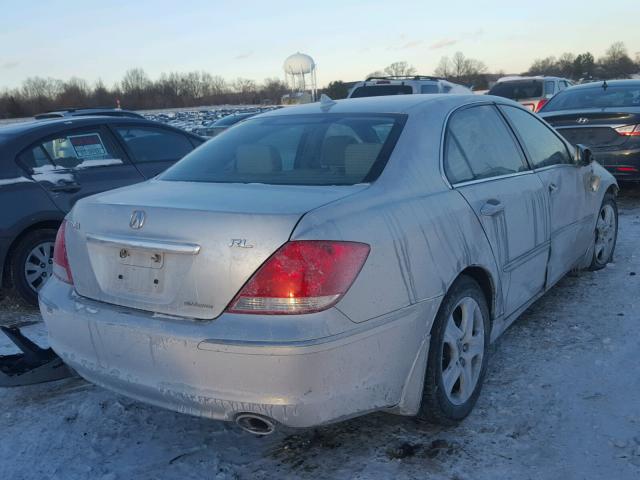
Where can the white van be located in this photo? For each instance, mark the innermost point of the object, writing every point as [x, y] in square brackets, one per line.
[405, 85]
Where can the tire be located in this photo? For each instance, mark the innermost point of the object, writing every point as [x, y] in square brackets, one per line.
[28, 256]
[445, 401]
[606, 233]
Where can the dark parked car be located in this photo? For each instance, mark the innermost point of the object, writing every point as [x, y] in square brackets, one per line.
[86, 112]
[219, 126]
[605, 116]
[47, 165]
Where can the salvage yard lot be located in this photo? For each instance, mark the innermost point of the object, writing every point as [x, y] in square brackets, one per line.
[561, 400]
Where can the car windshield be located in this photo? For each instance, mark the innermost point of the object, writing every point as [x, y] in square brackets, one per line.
[595, 97]
[517, 89]
[326, 149]
[381, 91]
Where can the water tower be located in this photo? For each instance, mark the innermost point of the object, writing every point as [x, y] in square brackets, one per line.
[300, 75]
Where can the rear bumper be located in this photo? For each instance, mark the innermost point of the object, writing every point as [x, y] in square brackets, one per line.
[622, 164]
[186, 366]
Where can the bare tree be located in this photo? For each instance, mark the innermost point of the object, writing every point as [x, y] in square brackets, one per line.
[398, 69]
[134, 81]
[616, 62]
[444, 68]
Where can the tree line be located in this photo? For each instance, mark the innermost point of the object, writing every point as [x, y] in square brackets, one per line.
[137, 91]
[616, 63]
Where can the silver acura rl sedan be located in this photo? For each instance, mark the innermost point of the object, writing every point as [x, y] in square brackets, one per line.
[324, 261]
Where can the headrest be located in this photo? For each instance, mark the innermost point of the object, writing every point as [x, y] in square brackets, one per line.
[334, 148]
[360, 157]
[257, 159]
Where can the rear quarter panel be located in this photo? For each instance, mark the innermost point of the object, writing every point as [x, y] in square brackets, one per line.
[419, 246]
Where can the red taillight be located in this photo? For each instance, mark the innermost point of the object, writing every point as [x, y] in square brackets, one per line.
[61, 267]
[629, 130]
[302, 277]
[627, 169]
[541, 104]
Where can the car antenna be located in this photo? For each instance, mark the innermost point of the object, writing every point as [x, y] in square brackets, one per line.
[605, 85]
[326, 102]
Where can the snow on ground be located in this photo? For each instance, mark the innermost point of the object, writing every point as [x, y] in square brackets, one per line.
[561, 401]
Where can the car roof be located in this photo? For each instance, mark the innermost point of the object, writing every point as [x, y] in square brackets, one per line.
[19, 128]
[21, 133]
[517, 78]
[387, 104]
[611, 83]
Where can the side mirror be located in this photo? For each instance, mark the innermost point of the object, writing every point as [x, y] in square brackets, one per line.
[583, 156]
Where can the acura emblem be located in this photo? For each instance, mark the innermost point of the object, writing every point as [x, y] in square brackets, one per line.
[137, 219]
[582, 120]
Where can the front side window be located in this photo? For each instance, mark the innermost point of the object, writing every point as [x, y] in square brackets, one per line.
[326, 149]
[148, 144]
[478, 145]
[544, 147]
[76, 150]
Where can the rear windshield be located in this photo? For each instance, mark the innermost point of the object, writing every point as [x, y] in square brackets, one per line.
[381, 91]
[595, 97]
[518, 90]
[325, 149]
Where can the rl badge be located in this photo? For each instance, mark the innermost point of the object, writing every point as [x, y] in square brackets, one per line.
[137, 219]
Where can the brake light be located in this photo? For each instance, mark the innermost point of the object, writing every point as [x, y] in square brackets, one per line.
[629, 130]
[627, 169]
[61, 267]
[302, 277]
[541, 104]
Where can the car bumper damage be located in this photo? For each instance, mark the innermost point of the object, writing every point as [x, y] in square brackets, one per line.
[206, 368]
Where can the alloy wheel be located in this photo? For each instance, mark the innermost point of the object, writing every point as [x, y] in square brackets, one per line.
[38, 265]
[605, 233]
[462, 351]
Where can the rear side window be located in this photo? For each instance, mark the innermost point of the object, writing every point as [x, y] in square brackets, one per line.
[549, 87]
[74, 150]
[518, 90]
[148, 144]
[429, 88]
[325, 149]
[479, 145]
[381, 90]
[543, 146]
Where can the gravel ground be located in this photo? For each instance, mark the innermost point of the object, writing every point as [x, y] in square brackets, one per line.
[561, 400]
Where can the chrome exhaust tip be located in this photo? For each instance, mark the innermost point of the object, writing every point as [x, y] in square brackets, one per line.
[256, 424]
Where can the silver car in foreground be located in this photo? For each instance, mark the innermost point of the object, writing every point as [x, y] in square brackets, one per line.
[323, 261]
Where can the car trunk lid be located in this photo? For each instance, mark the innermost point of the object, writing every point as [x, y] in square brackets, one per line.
[593, 127]
[183, 248]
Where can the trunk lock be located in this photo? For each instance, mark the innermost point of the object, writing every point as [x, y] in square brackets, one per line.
[124, 253]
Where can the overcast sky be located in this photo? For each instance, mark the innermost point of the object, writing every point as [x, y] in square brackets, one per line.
[250, 39]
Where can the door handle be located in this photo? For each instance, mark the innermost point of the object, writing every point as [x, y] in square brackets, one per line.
[491, 208]
[553, 188]
[66, 187]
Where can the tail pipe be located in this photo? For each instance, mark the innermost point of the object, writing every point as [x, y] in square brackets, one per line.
[256, 424]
